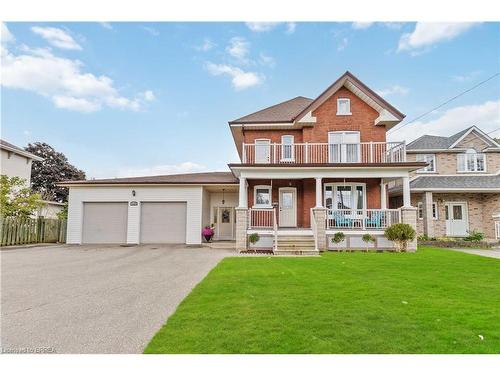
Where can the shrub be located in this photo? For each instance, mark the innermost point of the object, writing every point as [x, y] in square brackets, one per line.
[367, 238]
[338, 237]
[474, 236]
[253, 238]
[401, 234]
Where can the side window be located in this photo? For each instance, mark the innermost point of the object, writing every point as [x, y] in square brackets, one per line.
[343, 106]
[420, 208]
[427, 158]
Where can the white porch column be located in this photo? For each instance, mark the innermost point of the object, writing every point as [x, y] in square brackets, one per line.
[243, 196]
[383, 195]
[319, 201]
[406, 192]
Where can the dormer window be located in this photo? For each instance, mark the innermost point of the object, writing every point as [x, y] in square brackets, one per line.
[343, 107]
[470, 161]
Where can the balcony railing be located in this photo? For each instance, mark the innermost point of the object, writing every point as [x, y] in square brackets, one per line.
[324, 153]
[362, 219]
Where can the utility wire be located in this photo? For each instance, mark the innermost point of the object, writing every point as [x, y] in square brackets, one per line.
[443, 104]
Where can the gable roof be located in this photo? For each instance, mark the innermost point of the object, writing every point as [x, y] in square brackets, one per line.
[282, 112]
[434, 142]
[296, 109]
[205, 178]
[18, 150]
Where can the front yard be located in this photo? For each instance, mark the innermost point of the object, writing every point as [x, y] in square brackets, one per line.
[432, 301]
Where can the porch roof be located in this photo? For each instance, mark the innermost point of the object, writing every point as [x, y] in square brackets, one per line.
[452, 183]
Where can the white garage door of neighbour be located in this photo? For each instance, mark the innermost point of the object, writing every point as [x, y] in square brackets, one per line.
[105, 222]
[163, 222]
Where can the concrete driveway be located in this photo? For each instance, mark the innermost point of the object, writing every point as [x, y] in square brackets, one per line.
[95, 299]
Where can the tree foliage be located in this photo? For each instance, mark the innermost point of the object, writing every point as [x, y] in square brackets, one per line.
[16, 199]
[54, 168]
[401, 234]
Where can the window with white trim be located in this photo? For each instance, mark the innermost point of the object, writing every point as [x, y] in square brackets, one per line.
[287, 149]
[262, 196]
[344, 106]
[471, 161]
[427, 158]
[345, 196]
[420, 207]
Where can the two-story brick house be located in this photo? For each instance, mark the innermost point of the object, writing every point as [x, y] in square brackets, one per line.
[459, 190]
[309, 168]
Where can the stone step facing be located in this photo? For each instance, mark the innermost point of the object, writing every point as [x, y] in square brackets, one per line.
[295, 245]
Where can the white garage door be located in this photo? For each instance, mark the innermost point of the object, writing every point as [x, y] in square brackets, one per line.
[163, 222]
[105, 222]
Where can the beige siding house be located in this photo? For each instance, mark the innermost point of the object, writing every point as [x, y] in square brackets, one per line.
[16, 162]
[459, 190]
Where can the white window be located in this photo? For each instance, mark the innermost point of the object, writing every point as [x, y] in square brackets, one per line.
[287, 149]
[344, 147]
[343, 106]
[420, 207]
[262, 196]
[427, 158]
[471, 161]
[345, 196]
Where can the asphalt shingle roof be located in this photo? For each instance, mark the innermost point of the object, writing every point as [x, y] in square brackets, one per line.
[434, 142]
[186, 178]
[456, 182]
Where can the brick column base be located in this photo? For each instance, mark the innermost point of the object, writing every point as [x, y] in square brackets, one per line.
[241, 229]
[409, 216]
[320, 216]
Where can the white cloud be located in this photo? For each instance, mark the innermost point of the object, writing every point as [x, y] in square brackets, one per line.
[147, 96]
[240, 79]
[267, 60]
[151, 30]
[428, 34]
[485, 116]
[290, 27]
[260, 27]
[106, 25]
[63, 81]
[394, 25]
[6, 36]
[207, 45]
[57, 37]
[239, 48]
[157, 170]
[361, 25]
[393, 90]
[342, 44]
[466, 77]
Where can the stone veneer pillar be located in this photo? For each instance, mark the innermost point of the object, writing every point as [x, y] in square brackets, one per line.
[241, 228]
[320, 216]
[409, 216]
[427, 214]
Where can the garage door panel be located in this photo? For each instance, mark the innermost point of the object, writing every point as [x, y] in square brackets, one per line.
[105, 222]
[163, 222]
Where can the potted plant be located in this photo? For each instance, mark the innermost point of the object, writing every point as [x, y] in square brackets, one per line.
[208, 233]
[338, 237]
[401, 234]
[253, 238]
[368, 238]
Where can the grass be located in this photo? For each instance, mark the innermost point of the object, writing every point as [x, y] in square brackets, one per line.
[432, 301]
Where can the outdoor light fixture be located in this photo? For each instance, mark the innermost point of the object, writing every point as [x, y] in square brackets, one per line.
[223, 200]
[133, 193]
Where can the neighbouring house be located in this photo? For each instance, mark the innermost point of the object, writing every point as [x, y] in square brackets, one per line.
[459, 189]
[17, 162]
[309, 168]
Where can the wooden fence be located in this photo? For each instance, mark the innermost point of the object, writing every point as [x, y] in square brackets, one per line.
[20, 231]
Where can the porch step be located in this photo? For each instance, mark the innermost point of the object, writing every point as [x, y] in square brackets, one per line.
[295, 245]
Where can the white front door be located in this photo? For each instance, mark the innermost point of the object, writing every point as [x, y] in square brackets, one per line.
[225, 223]
[288, 207]
[262, 151]
[456, 219]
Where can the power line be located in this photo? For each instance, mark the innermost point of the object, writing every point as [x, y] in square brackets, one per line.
[443, 104]
[492, 131]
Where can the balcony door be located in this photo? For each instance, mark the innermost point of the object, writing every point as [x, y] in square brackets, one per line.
[344, 147]
[262, 151]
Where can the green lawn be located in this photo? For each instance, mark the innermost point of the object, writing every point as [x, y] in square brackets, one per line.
[432, 301]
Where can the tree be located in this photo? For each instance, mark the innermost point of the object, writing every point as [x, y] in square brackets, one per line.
[16, 199]
[401, 234]
[52, 169]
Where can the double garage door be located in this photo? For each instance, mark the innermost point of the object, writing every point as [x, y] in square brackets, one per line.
[160, 222]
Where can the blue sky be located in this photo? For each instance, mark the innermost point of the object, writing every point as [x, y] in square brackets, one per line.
[154, 98]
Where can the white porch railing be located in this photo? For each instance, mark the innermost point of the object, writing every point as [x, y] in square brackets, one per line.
[324, 153]
[261, 218]
[362, 219]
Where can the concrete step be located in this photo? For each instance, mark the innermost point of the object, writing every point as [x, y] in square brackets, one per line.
[296, 252]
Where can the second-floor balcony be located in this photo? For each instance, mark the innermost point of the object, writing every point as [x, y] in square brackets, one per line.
[264, 152]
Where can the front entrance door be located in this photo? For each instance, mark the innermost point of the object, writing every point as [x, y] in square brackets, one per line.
[288, 207]
[225, 223]
[456, 219]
